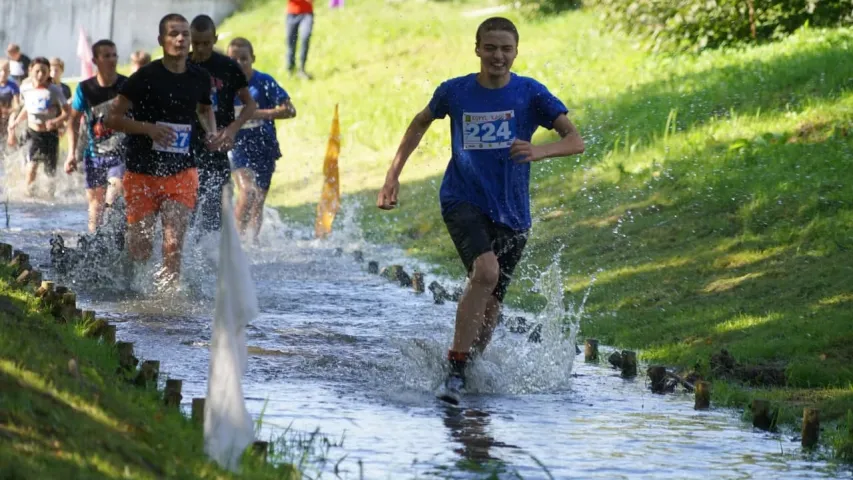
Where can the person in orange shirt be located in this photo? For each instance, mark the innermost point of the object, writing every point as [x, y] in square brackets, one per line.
[300, 23]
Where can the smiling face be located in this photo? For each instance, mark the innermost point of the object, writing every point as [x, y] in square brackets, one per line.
[497, 51]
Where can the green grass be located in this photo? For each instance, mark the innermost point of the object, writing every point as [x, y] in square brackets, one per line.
[713, 204]
[56, 425]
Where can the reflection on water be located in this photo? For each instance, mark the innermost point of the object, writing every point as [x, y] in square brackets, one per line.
[339, 349]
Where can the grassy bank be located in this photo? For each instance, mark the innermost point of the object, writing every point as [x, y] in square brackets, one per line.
[55, 423]
[713, 204]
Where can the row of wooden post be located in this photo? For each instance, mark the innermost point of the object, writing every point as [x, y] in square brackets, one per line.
[626, 360]
[62, 304]
[418, 280]
[763, 415]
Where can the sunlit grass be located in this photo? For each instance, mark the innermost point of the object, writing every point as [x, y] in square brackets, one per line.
[56, 422]
[713, 204]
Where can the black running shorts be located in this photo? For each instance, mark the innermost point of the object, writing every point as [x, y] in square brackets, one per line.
[474, 234]
[44, 148]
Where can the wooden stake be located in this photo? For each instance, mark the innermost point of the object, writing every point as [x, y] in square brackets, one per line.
[358, 256]
[88, 315]
[373, 267]
[629, 364]
[418, 282]
[125, 355]
[590, 351]
[657, 376]
[703, 396]
[109, 335]
[24, 277]
[811, 427]
[61, 290]
[20, 262]
[172, 393]
[148, 373]
[45, 288]
[35, 277]
[198, 411]
[615, 359]
[762, 417]
[96, 329]
[260, 448]
[6, 252]
[69, 299]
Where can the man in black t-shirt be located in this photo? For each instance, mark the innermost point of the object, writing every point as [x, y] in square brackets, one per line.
[165, 97]
[18, 62]
[228, 82]
[103, 155]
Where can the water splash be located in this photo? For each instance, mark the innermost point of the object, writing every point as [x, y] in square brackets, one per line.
[512, 364]
[68, 189]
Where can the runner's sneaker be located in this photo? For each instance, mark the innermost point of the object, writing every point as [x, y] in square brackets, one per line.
[453, 387]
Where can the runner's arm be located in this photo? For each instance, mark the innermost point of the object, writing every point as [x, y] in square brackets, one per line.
[74, 124]
[417, 129]
[64, 113]
[570, 143]
[118, 120]
[281, 112]
[206, 117]
[22, 114]
[248, 111]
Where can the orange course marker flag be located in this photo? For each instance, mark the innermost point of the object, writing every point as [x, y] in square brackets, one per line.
[330, 198]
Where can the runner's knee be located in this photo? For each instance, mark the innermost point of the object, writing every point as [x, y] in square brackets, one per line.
[486, 271]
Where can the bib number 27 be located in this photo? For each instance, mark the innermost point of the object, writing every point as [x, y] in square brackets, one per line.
[181, 143]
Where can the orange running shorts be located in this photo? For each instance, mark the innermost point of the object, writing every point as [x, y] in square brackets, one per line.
[145, 194]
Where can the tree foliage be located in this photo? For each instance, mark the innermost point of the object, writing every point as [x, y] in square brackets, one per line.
[700, 24]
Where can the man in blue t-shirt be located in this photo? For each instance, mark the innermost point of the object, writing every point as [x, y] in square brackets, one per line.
[256, 147]
[103, 156]
[485, 198]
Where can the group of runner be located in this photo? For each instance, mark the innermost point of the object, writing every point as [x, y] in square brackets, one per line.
[163, 138]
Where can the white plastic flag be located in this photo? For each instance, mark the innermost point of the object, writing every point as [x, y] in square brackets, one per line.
[228, 426]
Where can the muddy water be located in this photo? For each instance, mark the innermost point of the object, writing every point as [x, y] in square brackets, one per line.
[346, 352]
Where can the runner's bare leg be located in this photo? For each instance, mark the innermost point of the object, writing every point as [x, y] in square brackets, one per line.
[176, 219]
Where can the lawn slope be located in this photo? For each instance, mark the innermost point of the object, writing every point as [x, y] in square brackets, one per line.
[712, 208]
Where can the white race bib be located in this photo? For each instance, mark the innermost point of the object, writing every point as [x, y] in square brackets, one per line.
[37, 101]
[488, 130]
[181, 143]
[16, 68]
[251, 123]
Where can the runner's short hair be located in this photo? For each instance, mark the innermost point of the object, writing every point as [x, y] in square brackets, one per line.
[58, 62]
[140, 57]
[171, 17]
[240, 42]
[101, 43]
[493, 24]
[40, 61]
[203, 23]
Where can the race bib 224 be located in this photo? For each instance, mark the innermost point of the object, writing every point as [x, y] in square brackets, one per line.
[488, 130]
